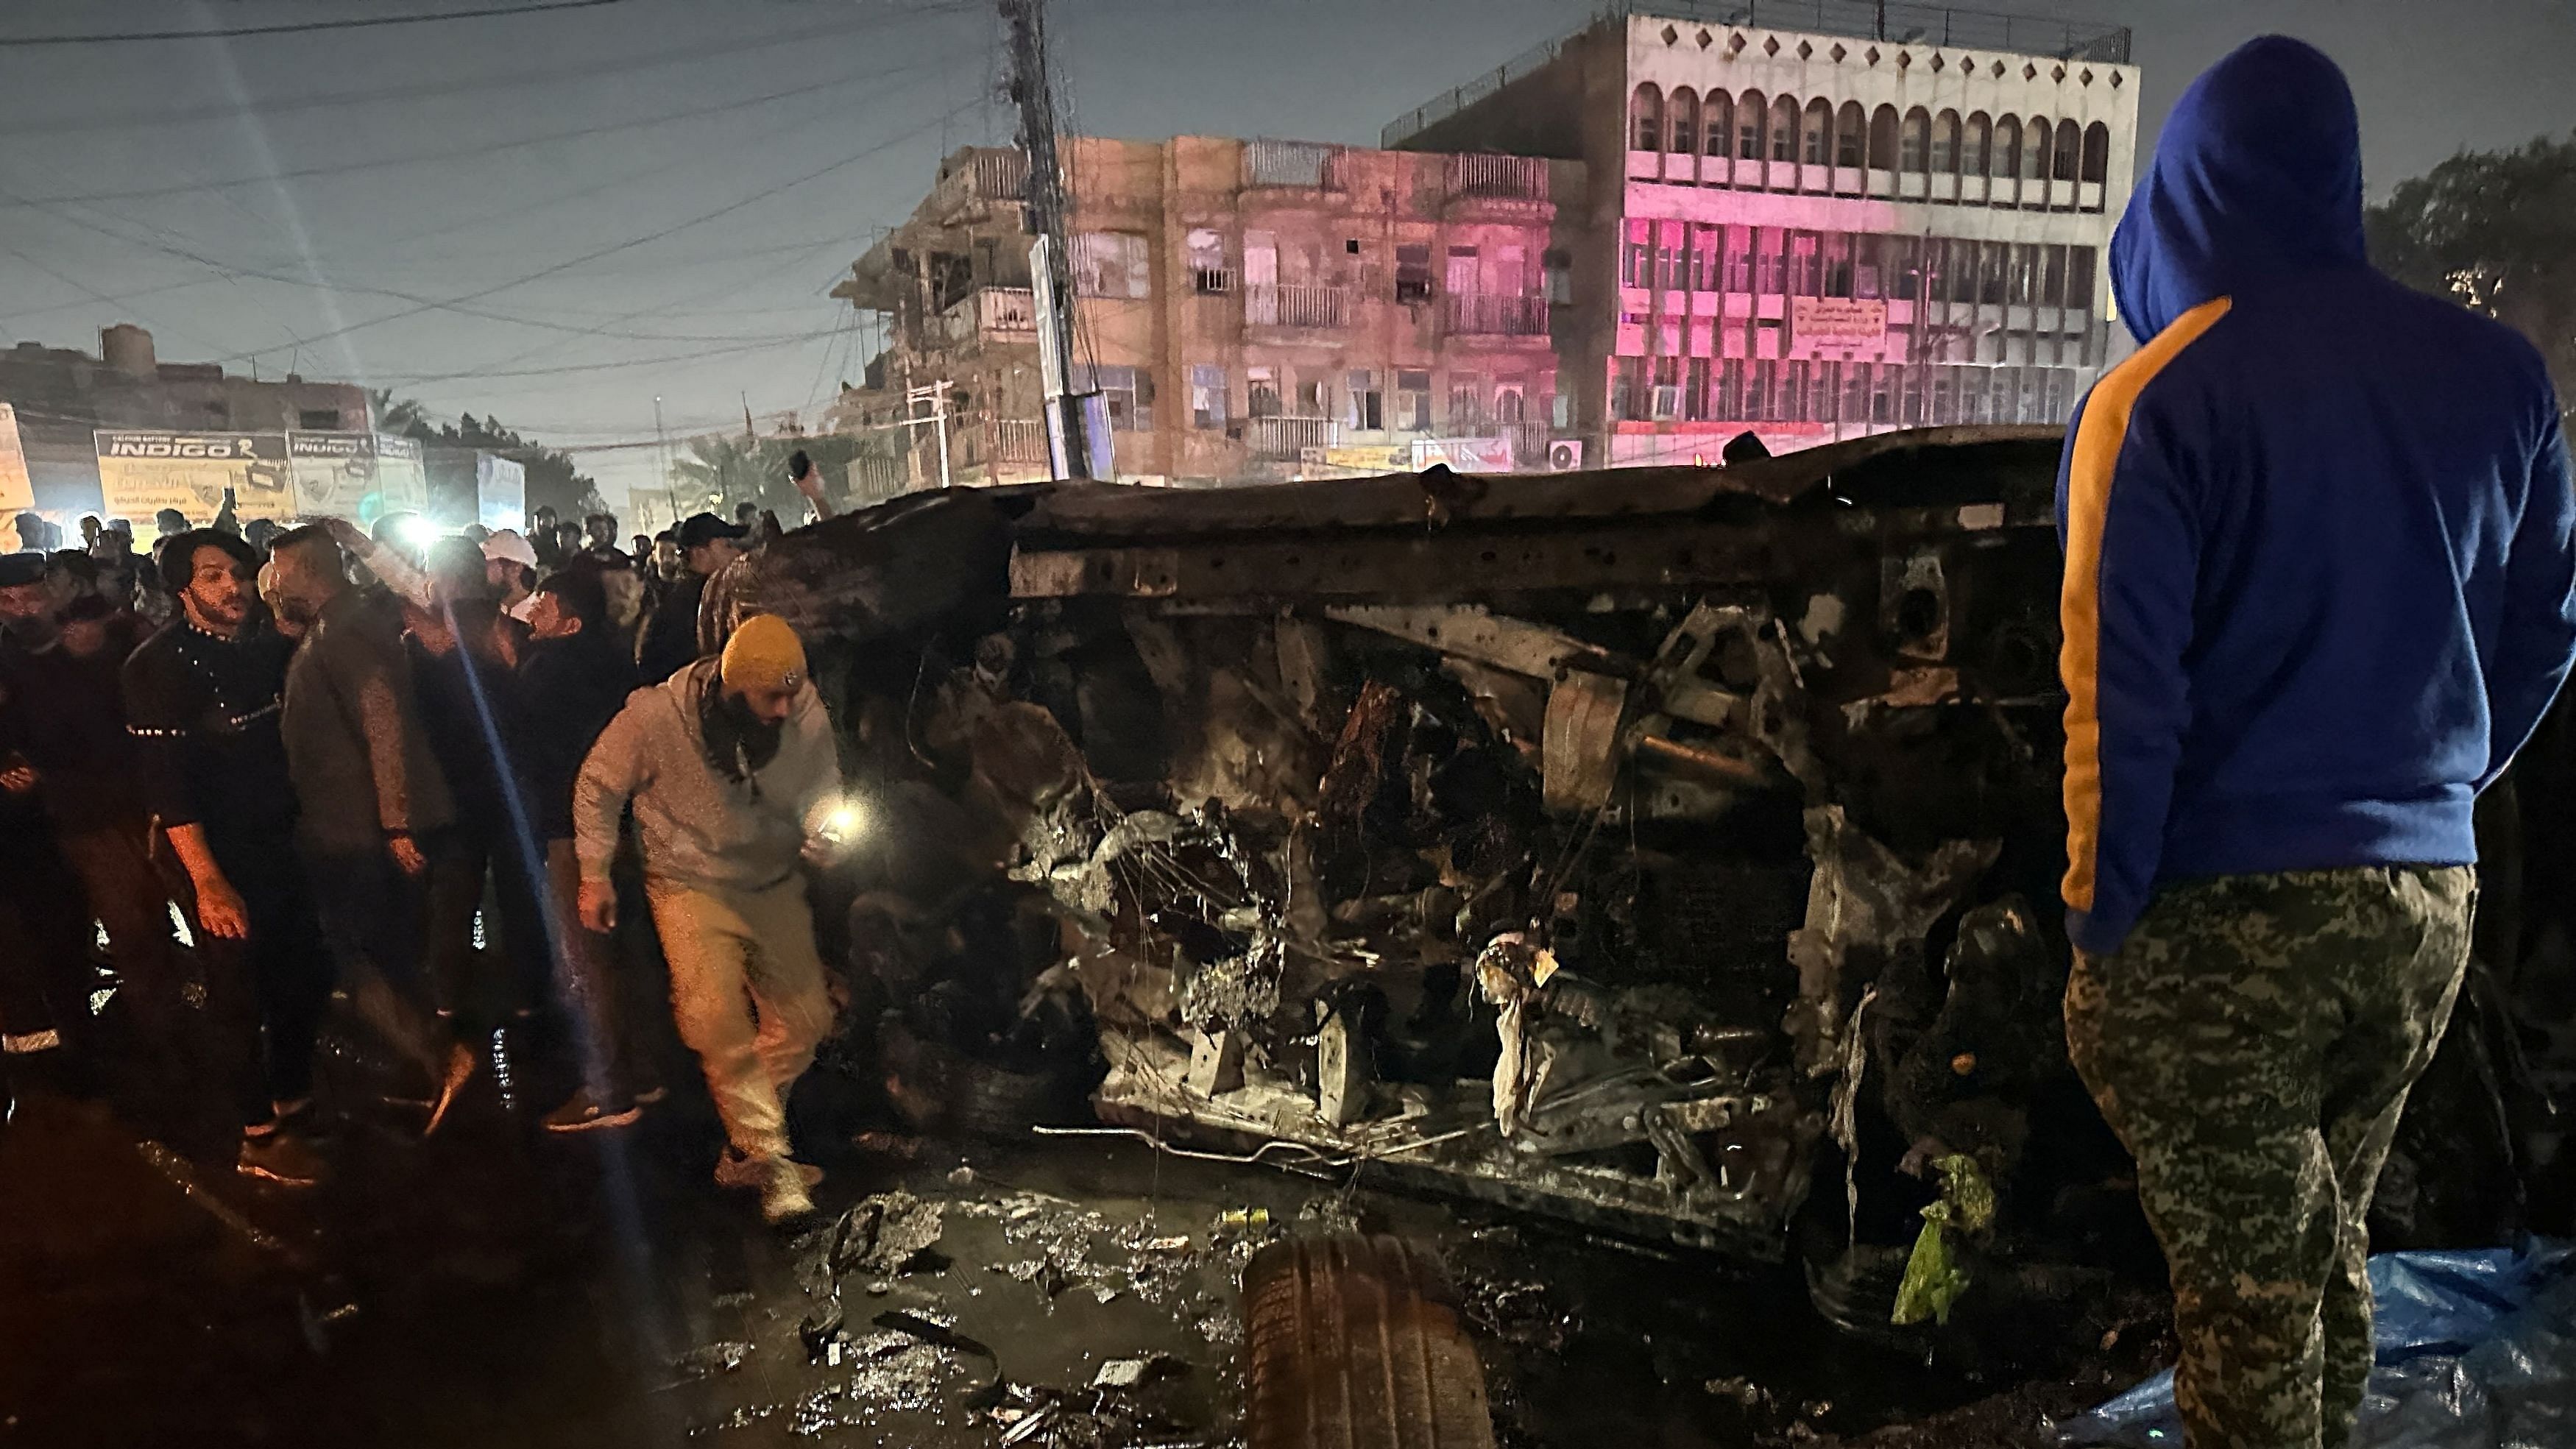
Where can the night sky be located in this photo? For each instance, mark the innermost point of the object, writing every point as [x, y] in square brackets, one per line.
[558, 217]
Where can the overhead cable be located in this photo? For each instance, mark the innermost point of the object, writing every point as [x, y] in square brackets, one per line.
[302, 27]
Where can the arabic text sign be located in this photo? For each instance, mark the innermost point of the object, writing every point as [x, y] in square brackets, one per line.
[1838, 323]
[141, 473]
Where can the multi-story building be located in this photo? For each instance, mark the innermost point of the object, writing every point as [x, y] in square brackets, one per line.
[62, 398]
[1817, 218]
[1248, 309]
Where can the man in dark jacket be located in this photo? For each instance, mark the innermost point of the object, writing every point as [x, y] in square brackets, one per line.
[573, 679]
[203, 702]
[2320, 587]
[373, 798]
[707, 544]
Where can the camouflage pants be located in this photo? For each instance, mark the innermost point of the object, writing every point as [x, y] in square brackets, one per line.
[2253, 1042]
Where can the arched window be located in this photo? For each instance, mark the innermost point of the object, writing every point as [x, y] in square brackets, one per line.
[1750, 111]
[1718, 114]
[1685, 108]
[1945, 143]
[1977, 145]
[1816, 141]
[2070, 151]
[1784, 129]
[1646, 118]
[1851, 137]
[1914, 153]
[2097, 153]
[1883, 145]
[2034, 149]
[2007, 147]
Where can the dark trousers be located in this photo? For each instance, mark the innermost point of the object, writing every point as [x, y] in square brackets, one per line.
[469, 987]
[131, 899]
[274, 987]
[45, 973]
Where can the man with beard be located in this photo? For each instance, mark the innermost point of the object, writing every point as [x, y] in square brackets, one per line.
[573, 679]
[203, 700]
[731, 770]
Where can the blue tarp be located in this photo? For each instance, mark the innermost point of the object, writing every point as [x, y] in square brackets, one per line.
[2476, 1351]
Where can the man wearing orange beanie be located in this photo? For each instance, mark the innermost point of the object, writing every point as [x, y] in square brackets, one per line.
[731, 770]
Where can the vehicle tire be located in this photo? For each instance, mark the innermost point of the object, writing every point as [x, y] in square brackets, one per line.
[1355, 1343]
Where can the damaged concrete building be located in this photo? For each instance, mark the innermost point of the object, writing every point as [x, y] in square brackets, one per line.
[1248, 309]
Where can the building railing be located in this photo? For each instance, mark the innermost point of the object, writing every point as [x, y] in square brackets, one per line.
[1285, 440]
[1318, 308]
[1215, 281]
[989, 312]
[1508, 178]
[1001, 175]
[1529, 444]
[1021, 441]
[1268, 162]
[1892, 23]
[1496, 314]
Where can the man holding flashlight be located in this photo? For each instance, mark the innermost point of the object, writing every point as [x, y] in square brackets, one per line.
[732, 772]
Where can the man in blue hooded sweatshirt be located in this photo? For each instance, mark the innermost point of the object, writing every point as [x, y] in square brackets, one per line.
[2319, 589]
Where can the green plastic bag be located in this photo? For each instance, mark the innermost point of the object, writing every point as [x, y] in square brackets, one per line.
[1934, 1277]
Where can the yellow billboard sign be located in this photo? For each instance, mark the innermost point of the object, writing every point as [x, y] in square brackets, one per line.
[141, 473]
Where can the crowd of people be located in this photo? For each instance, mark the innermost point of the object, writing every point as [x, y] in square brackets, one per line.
[268, 767]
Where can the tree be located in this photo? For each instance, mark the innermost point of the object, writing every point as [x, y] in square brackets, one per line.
[2496, 232]
[722, 470]
[554, 480]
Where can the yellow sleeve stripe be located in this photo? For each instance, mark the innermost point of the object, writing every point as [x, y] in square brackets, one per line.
[2098, 441]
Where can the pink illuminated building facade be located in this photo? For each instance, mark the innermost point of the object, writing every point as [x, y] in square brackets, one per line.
[1819, 219]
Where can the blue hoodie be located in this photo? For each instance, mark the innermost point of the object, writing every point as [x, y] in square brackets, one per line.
[2320, 582]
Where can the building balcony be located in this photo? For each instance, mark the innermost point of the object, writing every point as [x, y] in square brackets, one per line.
[1285, 440]
[1215, 281]
[988, 176]
[1020, 442]
[1495, 314]
[989, 314]
[1497, 178]
[1308, 308]
[1306, 164]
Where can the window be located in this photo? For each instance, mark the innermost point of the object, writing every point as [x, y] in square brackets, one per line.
[1855, 392]
[1730, 388]
[1757, 394]
[1717, 114]
[1945, 143]
[1668, 259]
[1748, 126]
[1804, 277]
[1850, 136]
[1914, 152]
[317, 420]
[1110, 264]
[1628, 388]
[1314, 398]
[2034, 150]
[1637, 255]
[1977, 145]
[1882, 395]
[1261, 392]
[1413, 400]
[1685, 121]
[1462, 271]
[1129, 392]
[1695, 391]
[1900, 267]
[1413, 272]
[1646, 119]
[2052, 282]
[2079, 277]
[1466, 402]
[1511, 401]
[1794, 399]
[1556, 269]
[2097, 153]
[1816, 138]
[2070, 150]
[1367, 410]
[1207, 396]
[1739, 259]
[1666, 403]
[1209, 277]
[2007, 157]
[1883, 147]
[1560, 410]
[1838, 264]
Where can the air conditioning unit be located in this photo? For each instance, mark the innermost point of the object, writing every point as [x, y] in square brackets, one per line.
[1565, 455]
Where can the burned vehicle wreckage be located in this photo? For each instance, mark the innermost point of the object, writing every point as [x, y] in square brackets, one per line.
[1669, 851]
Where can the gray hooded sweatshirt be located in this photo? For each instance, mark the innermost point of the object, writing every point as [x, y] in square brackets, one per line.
[701, 829]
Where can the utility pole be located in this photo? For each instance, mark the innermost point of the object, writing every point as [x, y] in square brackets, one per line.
[936, 395]
[662, 451]
[1045, 204]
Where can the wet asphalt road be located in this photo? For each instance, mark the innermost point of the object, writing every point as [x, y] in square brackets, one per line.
[497, 1287]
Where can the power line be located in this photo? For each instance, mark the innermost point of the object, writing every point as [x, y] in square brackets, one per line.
[303, 173]
[554, 78]
[302, 27]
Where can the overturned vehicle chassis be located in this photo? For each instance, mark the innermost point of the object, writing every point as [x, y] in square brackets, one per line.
[1664, 850]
